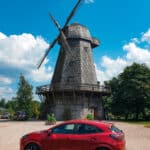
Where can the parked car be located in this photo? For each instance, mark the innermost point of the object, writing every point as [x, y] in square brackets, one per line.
[5, 115]
[76, 135]
[20, 115]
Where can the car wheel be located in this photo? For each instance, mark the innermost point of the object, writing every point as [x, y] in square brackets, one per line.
[32, 146]
[103, 148]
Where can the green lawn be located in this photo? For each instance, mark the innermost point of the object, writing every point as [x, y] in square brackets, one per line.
[144, 123]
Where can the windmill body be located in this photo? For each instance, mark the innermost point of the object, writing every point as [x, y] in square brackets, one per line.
[74, 91]
[75, 68]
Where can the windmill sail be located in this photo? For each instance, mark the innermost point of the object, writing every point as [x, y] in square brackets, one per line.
[56, 39]
[64, 42]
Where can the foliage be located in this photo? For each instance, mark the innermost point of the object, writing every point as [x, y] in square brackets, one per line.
[90, 117]
[2, 103]
[107, 101]
[25, 96]
[35, 109]
[131, 92]
[147, 126]
[23, 101]
[144, 123]
[11, 105]
[51, 118]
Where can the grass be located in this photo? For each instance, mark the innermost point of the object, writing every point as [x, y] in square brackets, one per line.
[144, 123]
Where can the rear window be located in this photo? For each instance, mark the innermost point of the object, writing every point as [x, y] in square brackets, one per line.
[115, 129]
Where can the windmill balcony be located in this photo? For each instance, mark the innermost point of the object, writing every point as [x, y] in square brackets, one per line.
[81, 87]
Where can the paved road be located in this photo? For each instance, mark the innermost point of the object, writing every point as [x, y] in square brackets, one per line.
[137, 137]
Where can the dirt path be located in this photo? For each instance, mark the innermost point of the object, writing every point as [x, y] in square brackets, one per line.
[137, 137]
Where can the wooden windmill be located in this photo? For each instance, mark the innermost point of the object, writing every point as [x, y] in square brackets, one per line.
[74, 90]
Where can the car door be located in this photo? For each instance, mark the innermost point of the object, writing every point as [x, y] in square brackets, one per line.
[84, 137]
[79, 140]
[59, 137]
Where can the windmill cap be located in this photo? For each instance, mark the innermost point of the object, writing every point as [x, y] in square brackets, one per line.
[78, 31]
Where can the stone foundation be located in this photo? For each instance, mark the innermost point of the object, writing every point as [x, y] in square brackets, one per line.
[73, 105]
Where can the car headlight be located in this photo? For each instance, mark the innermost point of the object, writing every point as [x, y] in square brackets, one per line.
[25, 136]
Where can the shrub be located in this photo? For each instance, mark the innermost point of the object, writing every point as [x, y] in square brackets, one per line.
[51, 119]
[90, 117]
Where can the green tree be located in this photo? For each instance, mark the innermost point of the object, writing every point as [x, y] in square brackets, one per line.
[25, 96]
[131, 91]
[2, 103]
[36, 109]
[11, 105]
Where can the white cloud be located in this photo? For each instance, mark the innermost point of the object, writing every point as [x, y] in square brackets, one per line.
[6, 92]
[109, 67]
[113, 66]
[22, 53]
[5, 80]
[43, 74]
[2, 36]
[135, 40]
[89, 1]
[146, 36]
[101, 76]
[137, 54]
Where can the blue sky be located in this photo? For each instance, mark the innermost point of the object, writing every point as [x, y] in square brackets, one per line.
[123, 27]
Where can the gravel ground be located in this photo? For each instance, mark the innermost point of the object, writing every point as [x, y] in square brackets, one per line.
[137, 137]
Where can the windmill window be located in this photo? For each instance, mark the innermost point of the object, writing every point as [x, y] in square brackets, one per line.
[86, 49]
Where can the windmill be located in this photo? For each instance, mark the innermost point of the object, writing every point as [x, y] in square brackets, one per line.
[74, 90]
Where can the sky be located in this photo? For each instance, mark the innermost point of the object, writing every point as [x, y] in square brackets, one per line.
[122, 26]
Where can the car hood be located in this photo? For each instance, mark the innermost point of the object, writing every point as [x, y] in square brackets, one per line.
[39, 132]
[38, 135]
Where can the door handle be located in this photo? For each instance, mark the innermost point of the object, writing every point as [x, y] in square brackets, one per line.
[92, 139]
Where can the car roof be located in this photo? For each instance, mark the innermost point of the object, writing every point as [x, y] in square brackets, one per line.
[101, 124]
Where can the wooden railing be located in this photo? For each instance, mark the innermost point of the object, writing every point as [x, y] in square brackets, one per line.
[75, 87]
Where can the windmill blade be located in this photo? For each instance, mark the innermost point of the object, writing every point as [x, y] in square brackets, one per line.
[64, 43]
[47, 51]
[72, 13]
[55, 40]
[55, 22]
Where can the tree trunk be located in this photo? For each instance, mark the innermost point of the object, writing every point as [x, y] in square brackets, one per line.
[126, 116]
[137, 115]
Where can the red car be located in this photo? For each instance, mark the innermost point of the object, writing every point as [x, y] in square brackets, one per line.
[76, 135]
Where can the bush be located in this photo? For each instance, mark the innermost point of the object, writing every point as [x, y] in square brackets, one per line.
[51, 119]
[90, 117]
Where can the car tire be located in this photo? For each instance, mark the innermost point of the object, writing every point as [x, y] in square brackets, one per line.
[32, 146]
[103, 148]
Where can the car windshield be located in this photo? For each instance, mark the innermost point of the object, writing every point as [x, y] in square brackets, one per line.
[115, 129]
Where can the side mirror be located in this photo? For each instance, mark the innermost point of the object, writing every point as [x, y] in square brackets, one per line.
[49, 132]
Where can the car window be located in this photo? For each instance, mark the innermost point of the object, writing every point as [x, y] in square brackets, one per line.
[65, 129]
[87, 129]
[115, 129]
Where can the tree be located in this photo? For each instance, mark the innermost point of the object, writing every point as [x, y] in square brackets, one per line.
[36, 107]
[25, 96]
[131, 91]
[2, 103]
[107, 101]
[11, 105]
